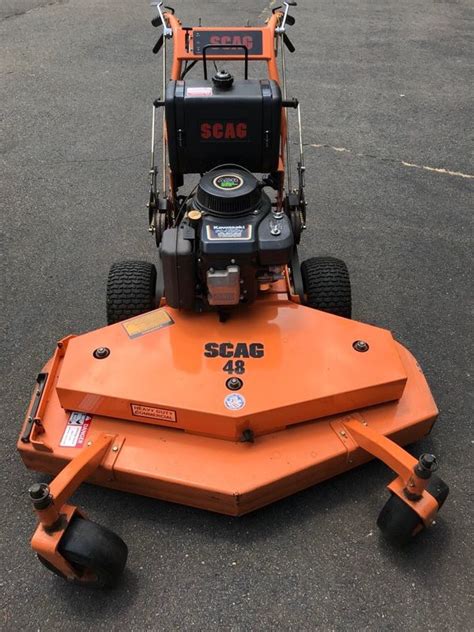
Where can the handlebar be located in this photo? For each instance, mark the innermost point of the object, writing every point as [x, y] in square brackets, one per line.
[207, 46]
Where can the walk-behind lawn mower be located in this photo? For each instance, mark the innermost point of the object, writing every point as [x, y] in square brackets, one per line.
[236, 378]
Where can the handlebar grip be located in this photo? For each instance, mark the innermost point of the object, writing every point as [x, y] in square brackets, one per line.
[158, 45]
[288, 43]
[290, 103]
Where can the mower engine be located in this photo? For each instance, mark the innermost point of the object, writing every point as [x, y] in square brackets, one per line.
[230, 244]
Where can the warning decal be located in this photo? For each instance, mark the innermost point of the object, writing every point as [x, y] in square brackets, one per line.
[148, 322]
[139, 410]
[76, 430]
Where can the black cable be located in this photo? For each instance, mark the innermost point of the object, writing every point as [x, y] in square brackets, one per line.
[183, 205]
[188, 68]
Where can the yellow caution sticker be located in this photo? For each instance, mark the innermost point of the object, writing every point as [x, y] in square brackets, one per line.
[146, 323]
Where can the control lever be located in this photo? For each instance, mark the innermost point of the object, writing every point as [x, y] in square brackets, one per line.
[167, 31]
[288, 4]
[290, 20]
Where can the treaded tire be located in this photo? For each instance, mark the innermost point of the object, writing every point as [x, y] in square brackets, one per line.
[327, 285]
[131, 289]
[88, 546]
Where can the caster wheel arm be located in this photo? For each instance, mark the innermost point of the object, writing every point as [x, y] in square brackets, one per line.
[65, 541]
[417, 493]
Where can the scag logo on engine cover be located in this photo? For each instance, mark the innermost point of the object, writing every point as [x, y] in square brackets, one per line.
[225, 130]
[231, 350]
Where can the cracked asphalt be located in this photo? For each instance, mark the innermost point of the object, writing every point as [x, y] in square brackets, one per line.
[389, 82]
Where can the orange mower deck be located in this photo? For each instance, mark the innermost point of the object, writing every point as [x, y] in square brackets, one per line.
[300, 397]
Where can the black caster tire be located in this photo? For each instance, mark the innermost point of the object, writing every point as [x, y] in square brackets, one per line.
[131, 290]
[438, 488]
[327, 285]
[95, 552]
[399, 523]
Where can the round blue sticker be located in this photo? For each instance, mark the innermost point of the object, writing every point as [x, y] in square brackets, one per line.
[234, 401]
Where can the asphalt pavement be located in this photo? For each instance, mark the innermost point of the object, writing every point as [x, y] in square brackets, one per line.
[385, 90]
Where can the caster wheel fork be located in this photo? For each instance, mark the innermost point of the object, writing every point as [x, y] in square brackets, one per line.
[66, 542]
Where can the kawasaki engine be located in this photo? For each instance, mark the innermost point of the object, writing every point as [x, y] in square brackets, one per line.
[229, 244]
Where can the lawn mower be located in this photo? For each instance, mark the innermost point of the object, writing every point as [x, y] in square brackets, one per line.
[235, 376]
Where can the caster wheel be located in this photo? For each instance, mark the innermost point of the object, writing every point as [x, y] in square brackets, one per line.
[399, 523]
[438, 488]
[327, 285]
[131, 290]
[98, 554]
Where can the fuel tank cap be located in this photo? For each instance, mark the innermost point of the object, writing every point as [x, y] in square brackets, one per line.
[223, 79]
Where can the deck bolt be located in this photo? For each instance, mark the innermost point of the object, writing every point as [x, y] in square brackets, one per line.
[115, 448]
[89, 443]
[343, 433]
[101, 352]
[360, 345]
[234, 383]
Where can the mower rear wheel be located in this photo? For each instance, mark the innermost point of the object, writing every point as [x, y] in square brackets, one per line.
[327, 285]
[131, 290]
[96, 553]
[399, 523]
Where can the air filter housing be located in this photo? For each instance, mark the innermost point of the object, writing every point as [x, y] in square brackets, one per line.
[228, 192]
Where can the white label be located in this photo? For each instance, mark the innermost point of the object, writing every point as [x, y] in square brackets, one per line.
[234, 401]
[242, 232]
[199, 92]
[76, 430]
